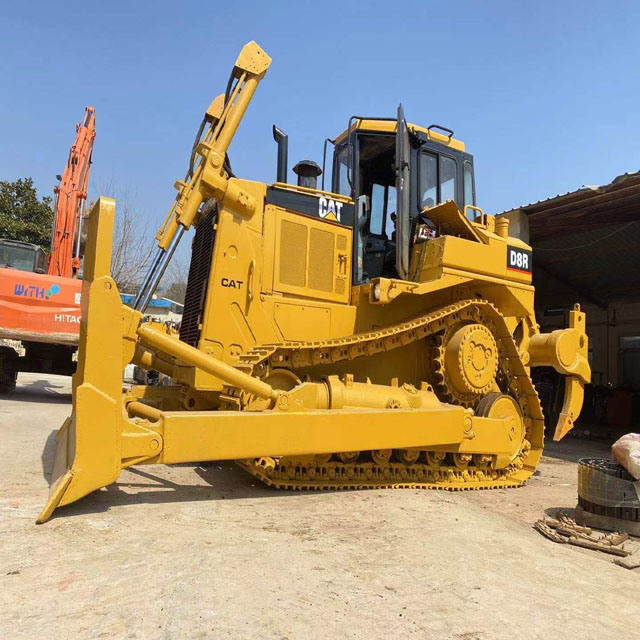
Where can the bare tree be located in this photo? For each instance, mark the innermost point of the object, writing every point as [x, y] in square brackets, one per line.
[175, 279]
[134, 246]
[133, 243]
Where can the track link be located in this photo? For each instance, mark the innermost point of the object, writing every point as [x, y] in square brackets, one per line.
[295, 474]
[309, 474]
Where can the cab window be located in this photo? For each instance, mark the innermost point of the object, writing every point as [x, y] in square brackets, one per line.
[469, 191]
[18, 257]
[383, 208]
[447, 179]
[428, 180]
[343, 166]
[390, 225]
[376, 220]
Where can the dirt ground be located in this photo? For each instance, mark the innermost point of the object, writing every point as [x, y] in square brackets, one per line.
[202, 551]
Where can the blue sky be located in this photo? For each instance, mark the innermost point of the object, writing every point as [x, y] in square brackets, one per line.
[544, 94]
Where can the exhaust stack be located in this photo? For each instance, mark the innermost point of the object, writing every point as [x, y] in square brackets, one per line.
[283, 153]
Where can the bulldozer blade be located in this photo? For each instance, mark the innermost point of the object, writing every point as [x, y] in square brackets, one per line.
[87, 450]
[88, 443]
[61, 475]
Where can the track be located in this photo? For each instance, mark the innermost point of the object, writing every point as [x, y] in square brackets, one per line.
[403, 470]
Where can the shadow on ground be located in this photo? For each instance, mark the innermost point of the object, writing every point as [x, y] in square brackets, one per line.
[573, 449]
[48, 455]
[554, 512]
[225, 481]
[42, 391]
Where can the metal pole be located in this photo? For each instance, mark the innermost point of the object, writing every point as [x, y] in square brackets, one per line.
[145, 296]
[80, 228]
[145, 283]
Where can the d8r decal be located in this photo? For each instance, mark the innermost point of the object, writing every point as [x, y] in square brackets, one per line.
[518, 259]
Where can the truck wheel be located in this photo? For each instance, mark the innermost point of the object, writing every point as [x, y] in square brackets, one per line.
[8, 382]
[8, 373]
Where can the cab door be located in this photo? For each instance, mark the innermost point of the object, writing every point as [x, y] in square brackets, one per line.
[403, 222]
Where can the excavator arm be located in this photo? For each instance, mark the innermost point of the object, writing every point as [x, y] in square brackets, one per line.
[71, 194]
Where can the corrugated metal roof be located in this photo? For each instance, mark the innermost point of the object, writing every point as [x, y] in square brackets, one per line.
[583, 193]
[600, 265]
[587, 242]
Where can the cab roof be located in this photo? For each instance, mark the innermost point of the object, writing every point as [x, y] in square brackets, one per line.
[389, 126]
[18, 243]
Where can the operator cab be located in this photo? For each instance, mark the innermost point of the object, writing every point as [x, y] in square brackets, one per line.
[436, 168]
[23, 256]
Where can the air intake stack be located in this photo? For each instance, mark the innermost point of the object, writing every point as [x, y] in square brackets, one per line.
[307, 172]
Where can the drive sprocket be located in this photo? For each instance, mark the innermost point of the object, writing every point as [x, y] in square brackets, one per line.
[465, 362]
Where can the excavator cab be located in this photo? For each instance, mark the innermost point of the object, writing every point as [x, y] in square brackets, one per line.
[23, 256]
[434, 168]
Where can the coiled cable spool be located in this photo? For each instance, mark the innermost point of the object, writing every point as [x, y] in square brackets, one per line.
[606, 489]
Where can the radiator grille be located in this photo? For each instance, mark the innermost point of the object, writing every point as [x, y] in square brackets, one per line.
[293, 254]
[321, 260]
[195, 297]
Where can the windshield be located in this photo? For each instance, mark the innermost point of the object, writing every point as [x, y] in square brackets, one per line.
[16, 257]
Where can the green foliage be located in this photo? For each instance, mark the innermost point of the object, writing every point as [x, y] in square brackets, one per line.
[22, 216]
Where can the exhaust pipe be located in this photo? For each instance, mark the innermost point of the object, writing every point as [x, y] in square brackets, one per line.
[283, 153]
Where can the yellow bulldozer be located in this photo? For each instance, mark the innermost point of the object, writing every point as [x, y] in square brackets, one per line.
[377, 334]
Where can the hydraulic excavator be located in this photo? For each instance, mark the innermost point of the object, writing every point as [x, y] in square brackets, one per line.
[42, 309]
[377, 334]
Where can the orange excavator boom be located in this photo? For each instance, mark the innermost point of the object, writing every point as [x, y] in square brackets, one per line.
[42, 310]
[71, 194]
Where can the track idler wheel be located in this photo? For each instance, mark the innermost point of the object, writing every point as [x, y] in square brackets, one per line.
[381, 456]
[435, 458]
[505, 407]
[408, 456]
[462, 460]
[482, 460]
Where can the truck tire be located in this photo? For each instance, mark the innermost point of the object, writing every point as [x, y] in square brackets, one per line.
[8, 373]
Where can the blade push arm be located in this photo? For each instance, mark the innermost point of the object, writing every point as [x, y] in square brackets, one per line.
[209, 172]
